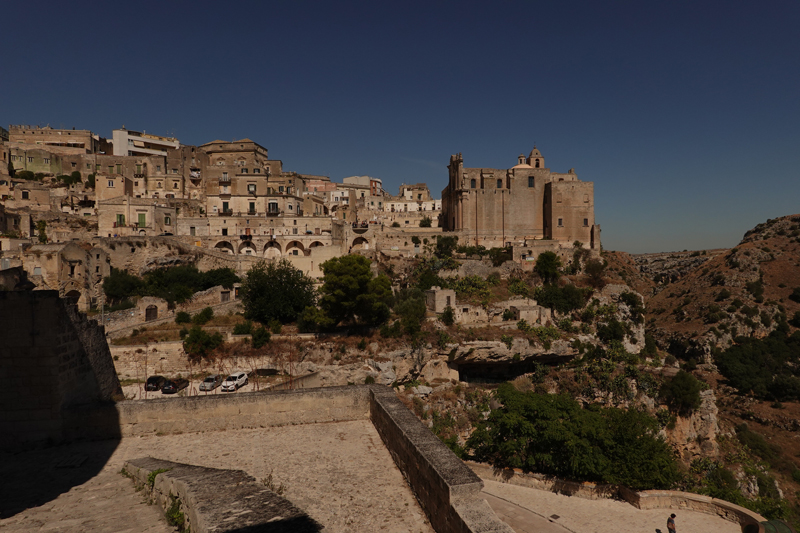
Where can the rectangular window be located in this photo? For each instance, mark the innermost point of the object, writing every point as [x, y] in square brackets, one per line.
[224, 231]
[530, 181]
[585, 221]
[142, 221]
[120, 220]
[119, 168]
[97, 168]
[30, 160]
[280, 189]
[224, 206]
[499, 184]
[252, 207]
[110, 183]
[111, 169]
[46, 160]
[158, 168]
[560, 222]
[191, 230]
[88, 166]
[139, 169]
[24, 195]
[175, 185]
[244, 171]
[74, 165]
[37, 271]
[167, 221]
[472, 184]
[251, 188]
[256, 171]
[174, 170]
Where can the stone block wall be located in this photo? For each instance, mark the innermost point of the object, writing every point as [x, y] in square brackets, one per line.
[51, 358]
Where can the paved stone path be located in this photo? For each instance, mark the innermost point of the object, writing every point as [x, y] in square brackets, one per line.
[580, 515]
[339, 473]
[520, 519]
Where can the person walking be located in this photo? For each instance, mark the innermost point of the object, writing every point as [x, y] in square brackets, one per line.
[671, 523]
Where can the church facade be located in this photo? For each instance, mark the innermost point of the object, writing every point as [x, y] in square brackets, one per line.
[516, 206]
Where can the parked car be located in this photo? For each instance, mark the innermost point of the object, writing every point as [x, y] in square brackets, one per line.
[211, 382]
[154, 383]
[174, 385]
[234, 381]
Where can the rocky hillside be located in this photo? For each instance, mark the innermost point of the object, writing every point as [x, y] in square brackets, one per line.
[745, 291]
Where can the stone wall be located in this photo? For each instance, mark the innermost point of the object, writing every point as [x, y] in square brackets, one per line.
[51, 358]
[447, 490]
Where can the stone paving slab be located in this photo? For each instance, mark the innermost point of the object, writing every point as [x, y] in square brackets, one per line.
[339, 473]
[580, 515]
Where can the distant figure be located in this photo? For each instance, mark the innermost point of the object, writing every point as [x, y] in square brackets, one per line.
[671, 523]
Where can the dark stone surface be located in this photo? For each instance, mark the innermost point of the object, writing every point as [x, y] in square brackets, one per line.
[221, 500]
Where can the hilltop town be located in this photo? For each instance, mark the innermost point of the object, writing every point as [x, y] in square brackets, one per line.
[196, 262]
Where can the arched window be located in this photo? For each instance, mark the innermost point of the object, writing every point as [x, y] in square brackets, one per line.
[537, 163]
[499, 184]
[472, 183]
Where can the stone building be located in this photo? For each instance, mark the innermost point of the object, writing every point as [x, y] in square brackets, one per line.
[75, 271]
[497, 207]
[83, 140]
[125, 216]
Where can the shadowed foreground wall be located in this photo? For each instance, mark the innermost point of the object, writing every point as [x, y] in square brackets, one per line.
[52, 358]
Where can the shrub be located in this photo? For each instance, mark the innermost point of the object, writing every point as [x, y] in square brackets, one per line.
[518, 286]
[562, 299]
[275, 326]
[500, 256]
[243, 328]
[448, 316]
[508, 340]
[198, 342]
[681, 393]
[508, 314]
[203, 316]
[395, 224]
[261, 336]
[724, 294]
[362, 344]
[426, 222]
[369, 380]
[795, 296]
[547, 266]
[182, 317]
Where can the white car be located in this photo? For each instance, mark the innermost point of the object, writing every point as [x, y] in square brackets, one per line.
[234, 381]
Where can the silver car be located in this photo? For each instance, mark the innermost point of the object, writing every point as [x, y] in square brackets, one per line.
[234, 381]
[211, 382]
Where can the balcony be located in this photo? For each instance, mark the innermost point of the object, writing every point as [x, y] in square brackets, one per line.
[225, 179]
[226, 213]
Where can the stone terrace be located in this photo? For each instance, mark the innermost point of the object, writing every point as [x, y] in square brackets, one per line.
[340, 473]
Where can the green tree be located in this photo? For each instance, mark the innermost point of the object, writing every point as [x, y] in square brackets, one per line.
[553, 435]
[41, 227]
[120, 285]
[276, 291]
[595, 271]
[203, 316]
[261, 336]
[682, 393]
[11, 170]
[76, 176]
[90, 180]
[445, 246]
[448, 316]
[426, 222]
[199, 343]
[547, 266]
[350, 292]
[410, 307]
[182, 317]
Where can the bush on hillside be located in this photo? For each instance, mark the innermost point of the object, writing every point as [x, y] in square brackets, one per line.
[681, 393]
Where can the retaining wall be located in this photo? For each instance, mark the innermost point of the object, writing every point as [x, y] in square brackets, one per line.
[647, 499]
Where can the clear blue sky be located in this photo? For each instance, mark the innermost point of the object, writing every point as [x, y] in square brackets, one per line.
[685, 115]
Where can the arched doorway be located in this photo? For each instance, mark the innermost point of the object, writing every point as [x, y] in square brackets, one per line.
[247, 248]
[72, 297]
[360, 243]
[150, 313]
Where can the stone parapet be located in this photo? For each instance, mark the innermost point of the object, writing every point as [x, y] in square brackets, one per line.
[214, 500]
[447, 490]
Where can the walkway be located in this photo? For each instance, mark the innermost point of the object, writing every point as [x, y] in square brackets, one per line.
[579, 515]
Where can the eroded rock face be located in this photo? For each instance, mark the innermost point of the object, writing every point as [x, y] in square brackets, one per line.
[696, 435]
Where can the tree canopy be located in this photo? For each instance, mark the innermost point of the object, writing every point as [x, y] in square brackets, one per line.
[553, 435]
[175, 284]
[276, 291]
[547, 265]
[350, 293]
